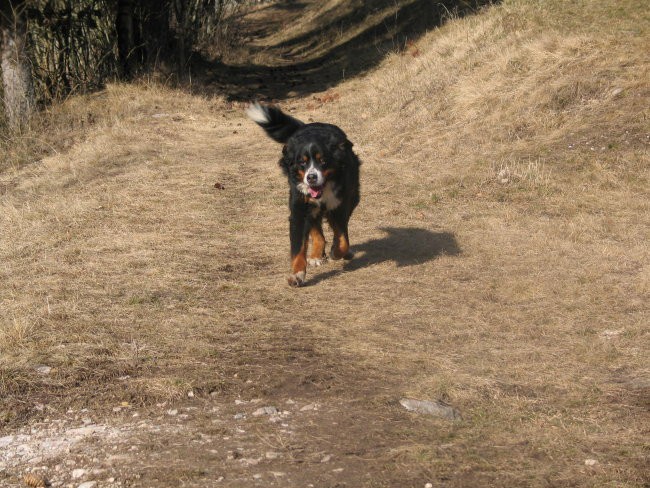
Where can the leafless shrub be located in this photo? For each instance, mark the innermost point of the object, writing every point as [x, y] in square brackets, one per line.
[73, 46]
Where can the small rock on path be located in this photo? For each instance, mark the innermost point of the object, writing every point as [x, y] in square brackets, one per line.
[435, 409]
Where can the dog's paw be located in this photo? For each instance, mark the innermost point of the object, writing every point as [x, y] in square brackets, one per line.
[334, 254]
[297, 279]
[317, 261]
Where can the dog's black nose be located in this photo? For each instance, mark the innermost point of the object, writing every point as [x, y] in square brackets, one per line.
[312, 177]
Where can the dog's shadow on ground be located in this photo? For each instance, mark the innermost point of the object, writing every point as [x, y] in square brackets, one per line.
[406, 246]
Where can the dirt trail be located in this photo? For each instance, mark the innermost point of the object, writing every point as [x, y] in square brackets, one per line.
[182, 216]
[221, 301]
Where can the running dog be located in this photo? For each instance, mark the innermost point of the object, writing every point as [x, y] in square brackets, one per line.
[323, 174]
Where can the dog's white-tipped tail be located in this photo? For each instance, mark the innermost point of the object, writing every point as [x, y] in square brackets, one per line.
[278, 125]
[257, 113]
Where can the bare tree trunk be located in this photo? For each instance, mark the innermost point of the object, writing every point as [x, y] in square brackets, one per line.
[181, 11]
[17, 82]
[155, 15]
[125, 37]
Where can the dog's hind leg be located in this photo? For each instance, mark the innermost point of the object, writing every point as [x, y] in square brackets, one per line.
[341, 245]
[317, 254]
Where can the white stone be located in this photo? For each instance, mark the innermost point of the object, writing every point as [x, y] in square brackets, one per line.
[265, 411]
[6, 440]
[436, 409]
[610, 334]
[250, 461]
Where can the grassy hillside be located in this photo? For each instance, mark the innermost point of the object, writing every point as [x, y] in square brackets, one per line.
[501, 263]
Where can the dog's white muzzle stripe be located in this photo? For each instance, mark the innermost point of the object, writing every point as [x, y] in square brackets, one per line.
[320, 179]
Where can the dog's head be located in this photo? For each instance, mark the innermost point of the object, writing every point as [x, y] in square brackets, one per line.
[314, 156]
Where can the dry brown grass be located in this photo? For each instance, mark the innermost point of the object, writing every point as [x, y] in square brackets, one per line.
[61, 126]
[317, 31]
[502, 255]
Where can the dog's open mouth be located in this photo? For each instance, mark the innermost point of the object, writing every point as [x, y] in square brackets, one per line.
[315, 192]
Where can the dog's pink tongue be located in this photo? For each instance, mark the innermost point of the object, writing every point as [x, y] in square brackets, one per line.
[315, 192]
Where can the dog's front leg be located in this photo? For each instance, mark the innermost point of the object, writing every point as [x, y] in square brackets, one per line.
[299, 227]
[317, 256]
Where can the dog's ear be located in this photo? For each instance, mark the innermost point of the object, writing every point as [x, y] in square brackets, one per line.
[345, 145]
[341, 148]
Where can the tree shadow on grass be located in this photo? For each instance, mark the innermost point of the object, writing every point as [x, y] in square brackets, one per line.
[406, 246]
[299, 74]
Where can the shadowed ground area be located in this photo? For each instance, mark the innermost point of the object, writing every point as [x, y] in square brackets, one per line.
[284, 56]
[404, 246]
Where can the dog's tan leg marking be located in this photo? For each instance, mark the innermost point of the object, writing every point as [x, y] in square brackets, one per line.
[341, 246]
[317, 255]
[298, 267]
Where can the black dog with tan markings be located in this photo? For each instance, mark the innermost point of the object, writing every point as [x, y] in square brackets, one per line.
[323, 174]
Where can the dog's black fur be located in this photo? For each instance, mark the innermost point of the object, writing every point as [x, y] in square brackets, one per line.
[323, 174]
